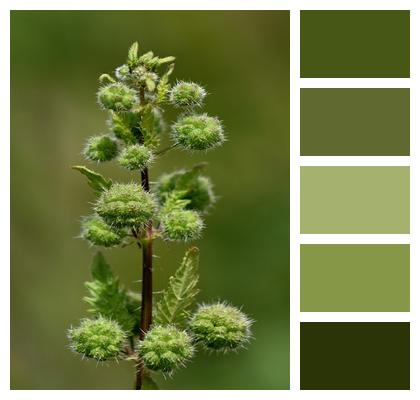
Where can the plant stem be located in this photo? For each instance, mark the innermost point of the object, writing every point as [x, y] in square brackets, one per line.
[147, 283]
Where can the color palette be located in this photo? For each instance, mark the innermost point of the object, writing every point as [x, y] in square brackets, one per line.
[355, 122]
[355, 44]
[355, 355]
[355, 200]
[355, 278]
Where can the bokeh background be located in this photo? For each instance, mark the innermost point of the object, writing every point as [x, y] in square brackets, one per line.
[242, 58]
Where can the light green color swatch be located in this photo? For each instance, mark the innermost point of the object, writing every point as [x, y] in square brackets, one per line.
[355, 200]
[360, 277]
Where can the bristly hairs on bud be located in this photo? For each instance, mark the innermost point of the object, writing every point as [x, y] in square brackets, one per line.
[172, 209]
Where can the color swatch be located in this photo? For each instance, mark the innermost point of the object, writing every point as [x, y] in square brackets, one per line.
[355, 122]
[355, 200]
[355, 278]
[355, 355]
[355, 44]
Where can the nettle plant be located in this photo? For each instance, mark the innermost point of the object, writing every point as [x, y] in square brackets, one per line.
[159, 331]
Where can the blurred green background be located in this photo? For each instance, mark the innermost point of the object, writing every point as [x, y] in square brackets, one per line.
[242, 58]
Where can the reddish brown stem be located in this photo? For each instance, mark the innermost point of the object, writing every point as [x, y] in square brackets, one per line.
[147, 283]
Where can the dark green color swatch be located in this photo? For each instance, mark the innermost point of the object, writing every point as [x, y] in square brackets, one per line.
[354, 277]
[355, 122]
[355, 200]
[354, 355]
[355, 44]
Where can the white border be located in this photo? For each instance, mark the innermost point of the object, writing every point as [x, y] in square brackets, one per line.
[295, 162]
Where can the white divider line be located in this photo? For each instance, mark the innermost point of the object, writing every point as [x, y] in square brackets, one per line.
[379, 161]
[355, 316]
[380, 83]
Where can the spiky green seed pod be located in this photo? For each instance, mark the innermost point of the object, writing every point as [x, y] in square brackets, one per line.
[123, 72]
[165, 348]
[187, 95]
[198, 132]
[220, 327]
[181, 224]
[125, 205]
[100, 338]
[100, 148]
[117, 97]
[189, 185]
[135, 157]
[99, 233]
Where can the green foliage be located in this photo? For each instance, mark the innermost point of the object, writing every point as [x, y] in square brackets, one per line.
[180, 295]
[198, 132]
[135, 157]
[126, 126]
[187, 185]
[126, 213]
[99, 233]
[100, 148]
[125, 205]
[101, 338]
[108, 298]
[96, 181]
[187, 95]
[165, 348]
[220, 327]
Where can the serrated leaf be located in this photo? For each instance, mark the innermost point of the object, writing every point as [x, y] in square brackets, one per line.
[132, 59]
[108, 298]
[182, 290]
[163, 86]
[165, 60]
[148, 127]
[100, 269]
[96, 181]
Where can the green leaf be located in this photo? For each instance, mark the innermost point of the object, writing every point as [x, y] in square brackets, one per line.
[165, 60]
[163, 86]
[182, 290]
[148, 127]
[109, 299]
[96, 181]
[100, 269]
[133, 59]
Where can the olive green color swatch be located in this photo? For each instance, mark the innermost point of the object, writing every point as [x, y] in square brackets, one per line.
[355, 278]
[355, 200]
[355, 355]
[355, 122]
[355, 44]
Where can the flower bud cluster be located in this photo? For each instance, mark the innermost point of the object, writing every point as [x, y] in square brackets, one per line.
[117, 97]
[187, 95]
[198, 132]
[135, 157]
[189, 185]
[96, 231]
[100, 148]
[101, 338]
[165, 348]
[220, 327]
[180, 224]
[126, 205]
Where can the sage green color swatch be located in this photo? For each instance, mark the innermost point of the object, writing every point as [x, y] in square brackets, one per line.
[355, 200]
[355, 122]
[355, 356]
[355, 44]
[355, 278]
